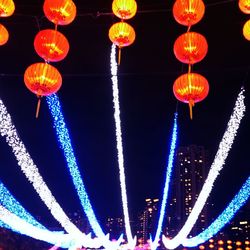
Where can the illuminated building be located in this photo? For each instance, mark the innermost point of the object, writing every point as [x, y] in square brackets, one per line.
[189, 174]
[148, 220]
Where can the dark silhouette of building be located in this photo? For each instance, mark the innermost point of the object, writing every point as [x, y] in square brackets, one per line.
[189, 174]
[147, 220]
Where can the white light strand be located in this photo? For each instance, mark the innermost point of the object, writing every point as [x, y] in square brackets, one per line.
[222, 153]
[65, 142]
[154, 243]
[23, 227]
[7, 130]
[113, 65]
[9, 202]
[225, 217]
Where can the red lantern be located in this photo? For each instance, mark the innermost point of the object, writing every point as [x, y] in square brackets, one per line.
[4, 35]
[191, 88]
[61, 12]
[7, 8]
[42, 79]
[188, 12]
[190, 47]
[124, 9]
[122, 34]
[51, 45]
[244, 6]
[246, 30]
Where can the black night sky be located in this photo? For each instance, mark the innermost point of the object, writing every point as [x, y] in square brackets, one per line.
[147, 72]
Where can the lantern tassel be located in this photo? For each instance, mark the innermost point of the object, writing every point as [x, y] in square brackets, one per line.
[191, 104]
[119, 55]
[38, 106]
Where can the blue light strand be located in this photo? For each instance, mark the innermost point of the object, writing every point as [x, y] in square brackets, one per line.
[225, 217]
[8, 201]
[65, 142]
[154, 243]
[18, 225]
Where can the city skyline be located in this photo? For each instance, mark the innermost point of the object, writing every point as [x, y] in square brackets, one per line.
[147, 72]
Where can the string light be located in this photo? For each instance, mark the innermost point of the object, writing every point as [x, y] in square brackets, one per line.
[222, 153]
[9, 202]
[154, 243]
[113, 66]
[65, 142]
[8, 130]
[23, 227]
[225, 217]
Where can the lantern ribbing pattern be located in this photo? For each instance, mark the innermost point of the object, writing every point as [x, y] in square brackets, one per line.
[41, 78]
[190, 48]
[121, 33]
[7, 8]
[244, 6]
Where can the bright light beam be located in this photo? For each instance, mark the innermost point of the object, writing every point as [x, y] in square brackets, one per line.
[65, 142]
[9, 202]
[23, 227]
[30, 170]
[225, 217]
[222, 153]
[154, 243]
[113, 66]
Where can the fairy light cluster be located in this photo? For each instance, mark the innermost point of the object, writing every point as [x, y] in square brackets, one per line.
[119, 145]
[154, 243]
[65, 143]
[9, 202]
[222, 153]
[8, 130]
[23, 227]
[225, 217]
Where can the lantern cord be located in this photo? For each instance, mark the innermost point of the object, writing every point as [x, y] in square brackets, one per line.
[38, 106]
[191, 104]
[119, 55]
[189, 68]
[189, 27]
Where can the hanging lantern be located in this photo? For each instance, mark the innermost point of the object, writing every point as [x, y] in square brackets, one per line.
[244, 6]
[60, 12]
[51, 45]
[122, 35]
[190, 47]
[42, 79]
[124, 9]
[7, 8]
[246, 30]
[191, 88]
[4, 35]
[188, 12]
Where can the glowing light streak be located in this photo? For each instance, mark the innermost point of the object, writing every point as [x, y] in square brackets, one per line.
[154, 243]
[113, 65]
[65, 142]
[222, 153]
[8, 130]
[9, 202]
[225, 217]
[23, 227]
